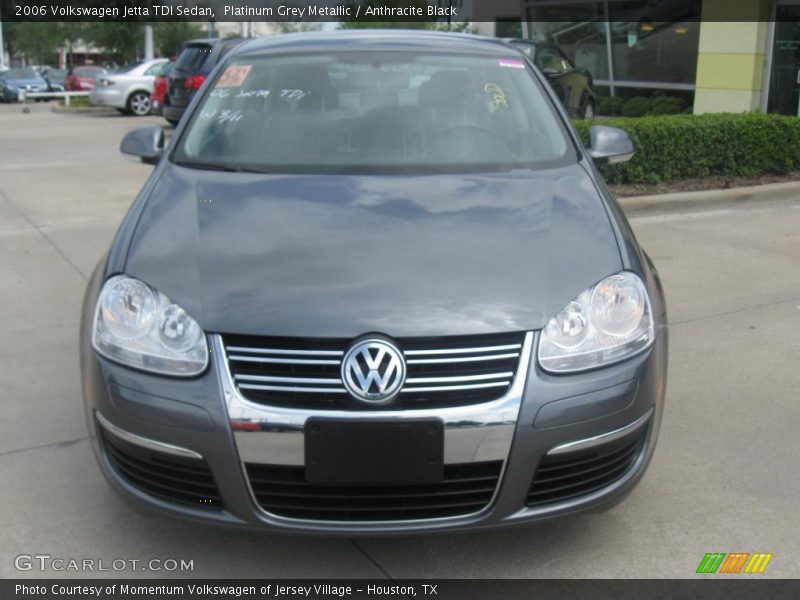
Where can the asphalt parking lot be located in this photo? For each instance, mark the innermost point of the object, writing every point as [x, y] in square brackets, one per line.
[724, 477]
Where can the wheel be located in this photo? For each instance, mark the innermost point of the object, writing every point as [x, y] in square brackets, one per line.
[588, 110]
[139, 104]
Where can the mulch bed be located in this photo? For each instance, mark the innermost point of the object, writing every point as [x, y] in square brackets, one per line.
[699, 184]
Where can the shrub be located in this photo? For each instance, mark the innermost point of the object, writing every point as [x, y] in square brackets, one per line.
[667, 105]
[610, 106]
[681, 146]
[638, 106]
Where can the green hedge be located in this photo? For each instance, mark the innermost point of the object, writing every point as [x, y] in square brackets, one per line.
[683, 146]
[640, 106]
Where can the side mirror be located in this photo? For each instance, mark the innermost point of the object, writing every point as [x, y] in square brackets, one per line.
[550, 72]
[610, 145]
[146, 142]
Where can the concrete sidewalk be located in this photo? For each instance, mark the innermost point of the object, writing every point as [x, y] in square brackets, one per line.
[711, 199]
[724, 476]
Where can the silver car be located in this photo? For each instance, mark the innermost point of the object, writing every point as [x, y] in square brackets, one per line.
[129, 89]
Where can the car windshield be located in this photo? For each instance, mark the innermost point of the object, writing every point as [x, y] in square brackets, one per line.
[25, 73]
[359, 112]
[192, 57]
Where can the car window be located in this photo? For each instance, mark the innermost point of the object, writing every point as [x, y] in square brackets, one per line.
[525, 48]
[154, 69]
[358, 112]
[192, 57]
[128, 68]
[549, 57]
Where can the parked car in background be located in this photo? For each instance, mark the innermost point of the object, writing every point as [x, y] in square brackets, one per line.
[191, 68]
[573, 85]
[81, 79]
[56, 78]
[160, 86]
[129, 89]
[16, 81]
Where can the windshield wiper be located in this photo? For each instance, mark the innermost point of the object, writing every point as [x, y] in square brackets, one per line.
[207, 166]
[217, 167]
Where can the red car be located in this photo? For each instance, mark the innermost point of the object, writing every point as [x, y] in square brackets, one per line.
[81, 79]
[161, 87]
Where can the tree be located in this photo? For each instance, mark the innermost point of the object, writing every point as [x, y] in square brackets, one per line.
[39, 42]
[73, 33]
[10, 38]
[296, 26]
[169, 36]
[124, 42]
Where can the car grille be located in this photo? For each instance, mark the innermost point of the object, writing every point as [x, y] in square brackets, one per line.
[306, 372]
[181, 480]
[464, 489]
[560, 478]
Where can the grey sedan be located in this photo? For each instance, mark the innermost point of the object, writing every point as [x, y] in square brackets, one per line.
[375, 284]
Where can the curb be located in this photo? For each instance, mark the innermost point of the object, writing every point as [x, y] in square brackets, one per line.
[705, 199]
[80, 109]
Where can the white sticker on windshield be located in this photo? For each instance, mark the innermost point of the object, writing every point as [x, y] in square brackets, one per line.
[511, 62]
[233, 76]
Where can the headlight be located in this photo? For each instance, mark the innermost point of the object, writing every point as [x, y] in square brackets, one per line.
[140, 327]
[607, 323]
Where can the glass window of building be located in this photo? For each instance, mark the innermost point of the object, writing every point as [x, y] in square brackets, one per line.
[644, 44]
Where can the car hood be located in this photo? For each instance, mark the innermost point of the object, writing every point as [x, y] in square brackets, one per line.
[340, 256]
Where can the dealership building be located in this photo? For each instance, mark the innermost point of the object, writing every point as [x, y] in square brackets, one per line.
[719, 55]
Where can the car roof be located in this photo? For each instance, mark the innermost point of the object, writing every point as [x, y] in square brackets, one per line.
[212, 41]
[375, 39]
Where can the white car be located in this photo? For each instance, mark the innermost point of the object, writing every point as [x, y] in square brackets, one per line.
[129, 89]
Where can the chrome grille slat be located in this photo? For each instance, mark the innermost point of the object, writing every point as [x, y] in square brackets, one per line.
[464, 350]
[446, 388]
[441, 372]
[285, 351]
[414, 380]
[286, 388]
[305, 380]
[461, 359]
[284, 361]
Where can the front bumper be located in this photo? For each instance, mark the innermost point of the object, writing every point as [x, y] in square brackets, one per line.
[542, 416]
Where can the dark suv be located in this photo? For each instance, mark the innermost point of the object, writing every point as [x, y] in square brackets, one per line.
[573, 85]
[195, 62]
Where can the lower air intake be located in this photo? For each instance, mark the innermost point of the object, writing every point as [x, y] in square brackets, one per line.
[185, 481]
[564, 477]
[464, 489]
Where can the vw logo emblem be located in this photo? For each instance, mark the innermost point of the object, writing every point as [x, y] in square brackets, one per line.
[373, 371]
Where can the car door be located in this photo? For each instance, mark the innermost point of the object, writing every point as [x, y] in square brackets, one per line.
[568, 82]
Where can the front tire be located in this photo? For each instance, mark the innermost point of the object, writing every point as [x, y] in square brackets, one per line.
[587, 114]
[139, 104]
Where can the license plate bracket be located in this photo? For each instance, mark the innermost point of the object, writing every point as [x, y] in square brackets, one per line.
[374, 452]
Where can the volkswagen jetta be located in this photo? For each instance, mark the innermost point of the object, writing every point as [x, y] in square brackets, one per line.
[375, 283]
